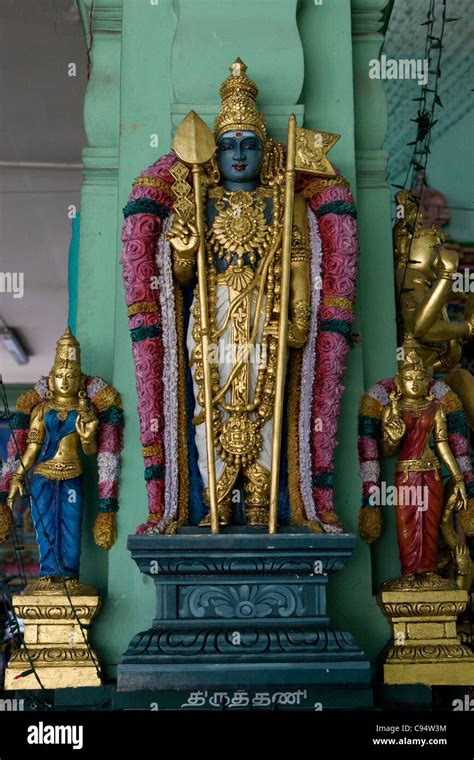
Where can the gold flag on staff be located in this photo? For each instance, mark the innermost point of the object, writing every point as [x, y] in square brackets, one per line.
[311, 149]
[306, 151]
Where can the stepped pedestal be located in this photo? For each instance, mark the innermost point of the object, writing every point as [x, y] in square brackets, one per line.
[243, 609]
[54, 642]
[425, 648]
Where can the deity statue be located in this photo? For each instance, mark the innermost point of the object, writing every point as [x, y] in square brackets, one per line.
[244, 220]
[424, 274]
[408, 422]
[245, 261]
[59, 427]
[420, 419]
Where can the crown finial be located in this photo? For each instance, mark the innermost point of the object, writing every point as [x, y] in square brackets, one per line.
[68, 351]
[411, 359]
[238, 68]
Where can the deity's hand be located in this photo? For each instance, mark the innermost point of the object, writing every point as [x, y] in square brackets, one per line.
[87, 429]
[105, 530]
[447, 261]
[297, 334]
[392, 423]
[16, 489]
[183, 237]
[462, 559]
[458, 498]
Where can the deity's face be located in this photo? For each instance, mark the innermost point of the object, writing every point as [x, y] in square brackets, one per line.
[239, 156]
[413, 383]
[425, 252]
[66, 381]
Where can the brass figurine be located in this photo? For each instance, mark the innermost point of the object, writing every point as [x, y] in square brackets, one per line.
[408, 421]
[57, 608]
[59, 427]
[424, 271]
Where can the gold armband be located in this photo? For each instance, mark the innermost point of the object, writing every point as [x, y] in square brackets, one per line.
[445, 274]
[299, 250]
[35, 436]
[470, 330]
[301, 313]
[184, 263]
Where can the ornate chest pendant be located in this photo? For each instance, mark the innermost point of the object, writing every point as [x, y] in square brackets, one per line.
[240, 227]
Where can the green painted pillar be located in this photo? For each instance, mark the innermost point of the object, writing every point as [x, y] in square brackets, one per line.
[331, 103]
[95, 325]
[210, 35]
[376, 291]
[98, 253]
[145, 134]
[376, 284]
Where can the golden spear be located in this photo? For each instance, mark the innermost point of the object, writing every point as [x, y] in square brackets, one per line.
[194, 144]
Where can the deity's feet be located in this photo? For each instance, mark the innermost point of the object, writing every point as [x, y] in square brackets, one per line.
[257, 515]
[76, 588]
[56, 585]
[420, 581]
[223, 513]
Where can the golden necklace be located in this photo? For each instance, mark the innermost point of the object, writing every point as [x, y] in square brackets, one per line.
[63, 407]
[416, 405]
[240, 226]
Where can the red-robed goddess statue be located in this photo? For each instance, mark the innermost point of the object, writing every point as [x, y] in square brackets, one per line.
[409, 421]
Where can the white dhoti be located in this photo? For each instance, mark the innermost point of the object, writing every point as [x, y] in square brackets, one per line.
[226, 359]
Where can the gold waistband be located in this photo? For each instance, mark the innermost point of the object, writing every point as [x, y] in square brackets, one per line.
[58, 470]
[418, 465]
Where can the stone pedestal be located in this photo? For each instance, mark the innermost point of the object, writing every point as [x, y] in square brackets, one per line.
[54, 642]
[425, 648]
[243, 609]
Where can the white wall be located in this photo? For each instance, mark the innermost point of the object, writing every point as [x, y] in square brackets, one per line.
[40, 123]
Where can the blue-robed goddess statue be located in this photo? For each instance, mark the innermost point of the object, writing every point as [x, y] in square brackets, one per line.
[51, 465]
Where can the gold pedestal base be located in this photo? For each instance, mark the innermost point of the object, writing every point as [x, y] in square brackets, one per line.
[54, 642]
[465, 625]
[425, 648]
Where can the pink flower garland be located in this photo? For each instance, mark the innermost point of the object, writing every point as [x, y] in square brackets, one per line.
[340, 245]
[139, 234]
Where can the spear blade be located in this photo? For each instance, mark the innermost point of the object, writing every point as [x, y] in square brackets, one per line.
[194, 142]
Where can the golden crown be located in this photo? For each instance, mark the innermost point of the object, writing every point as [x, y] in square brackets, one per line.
[404, 241]
[432, 231]
[411, 356]
[239, 107]
[68, 351]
